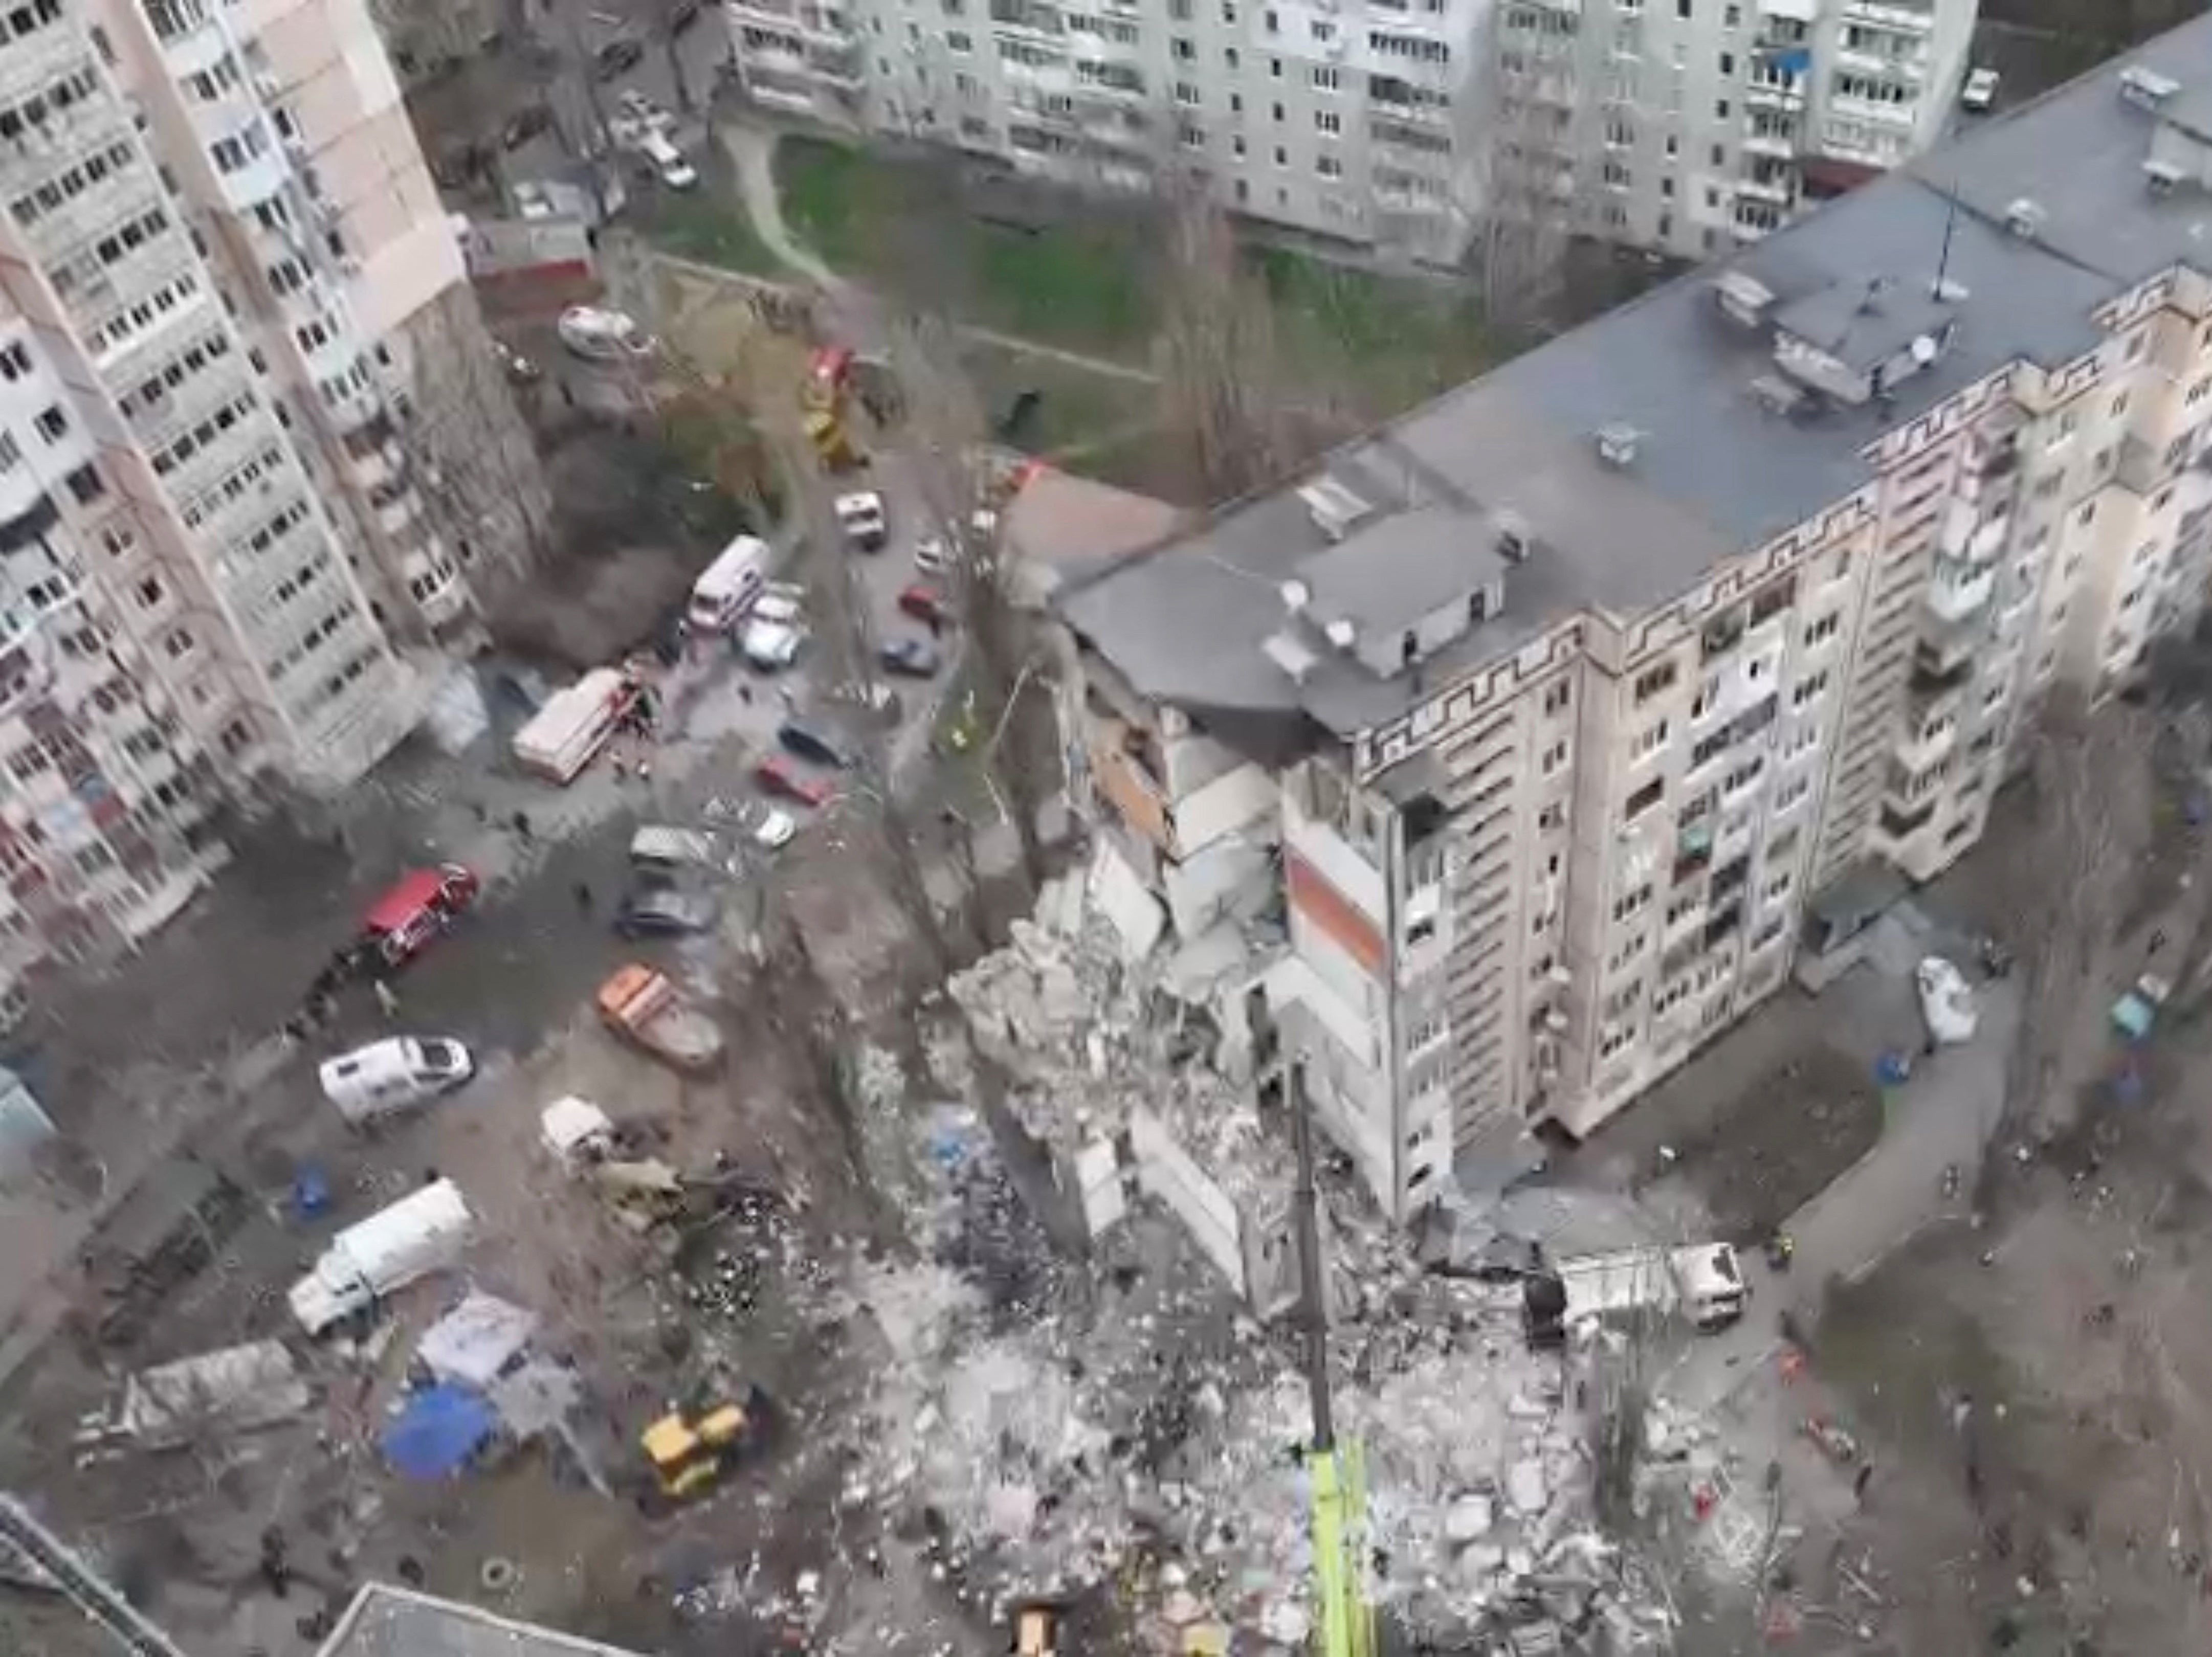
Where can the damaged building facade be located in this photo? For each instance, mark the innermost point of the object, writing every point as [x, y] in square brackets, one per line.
[1537, 718]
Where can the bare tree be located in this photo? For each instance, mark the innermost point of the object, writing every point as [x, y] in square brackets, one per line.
[1226, 395]
[472, 457]
[942, 440]
[2092, 819]
[1515, 133]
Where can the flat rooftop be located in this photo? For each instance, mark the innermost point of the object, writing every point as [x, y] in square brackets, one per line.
[393, 1622]
[1716, 468]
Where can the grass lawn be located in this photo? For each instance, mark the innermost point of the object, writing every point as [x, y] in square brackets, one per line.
[902, 225]
[1076, 408]
[708, 223]
[1391, 341]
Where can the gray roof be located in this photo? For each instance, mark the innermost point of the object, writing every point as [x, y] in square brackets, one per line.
[392, 1621]
[1716, 470]
[1392, 574]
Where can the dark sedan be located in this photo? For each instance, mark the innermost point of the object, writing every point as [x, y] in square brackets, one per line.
[664, 912]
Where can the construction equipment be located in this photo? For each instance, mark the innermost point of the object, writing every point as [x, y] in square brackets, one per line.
[832, 443]
[690, 1453]
[1336, 1471]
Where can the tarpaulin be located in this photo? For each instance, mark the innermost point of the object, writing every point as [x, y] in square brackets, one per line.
[437, 1430]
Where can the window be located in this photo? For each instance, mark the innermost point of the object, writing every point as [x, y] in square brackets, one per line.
[960, 41]
[15, 360]
[1648, 740]
[1720, 151]
[85, 484]
[1629, 903]
[1185, 92]
[1326, 77]
[1282, 156]
[1328, 166]
[1278, 109]
[1558, 696]
[1644, 800]
[1808, 688]
[1329, 121]
[52, 424]
[1653, 680]
[1823, 628]
[1553, 758]
[1184, 50]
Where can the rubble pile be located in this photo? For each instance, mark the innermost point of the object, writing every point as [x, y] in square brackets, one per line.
[1088, 1445]
[1086, 1037]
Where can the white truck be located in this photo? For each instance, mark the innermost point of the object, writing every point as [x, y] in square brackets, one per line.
[564, 735]
[1703, 1282]
[423, 1232]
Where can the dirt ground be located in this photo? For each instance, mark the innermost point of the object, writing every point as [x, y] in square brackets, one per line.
[2040, 1389]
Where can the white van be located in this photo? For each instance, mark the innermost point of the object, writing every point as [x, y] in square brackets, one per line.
[668, 852]
[667, 160]
[727, 588]
[392, 1074]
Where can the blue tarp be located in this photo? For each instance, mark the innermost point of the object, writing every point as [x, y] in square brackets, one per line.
[440, 1428]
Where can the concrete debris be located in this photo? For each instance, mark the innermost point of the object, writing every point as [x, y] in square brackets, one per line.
[1524, 1486]
[1467, 1519]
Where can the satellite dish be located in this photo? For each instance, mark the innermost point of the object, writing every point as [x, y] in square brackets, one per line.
[1295, 595]
[1924, 348]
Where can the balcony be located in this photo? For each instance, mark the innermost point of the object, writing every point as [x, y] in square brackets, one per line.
[1904, 19]
[1924, 744]
[1903, 825]
[1937, 673]
[1789, 94]
[260, 178]
[1776, 191]
[1778, 146]
[1958, 590]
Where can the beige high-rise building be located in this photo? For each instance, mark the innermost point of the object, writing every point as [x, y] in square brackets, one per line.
[1553, 713]
[232, 319]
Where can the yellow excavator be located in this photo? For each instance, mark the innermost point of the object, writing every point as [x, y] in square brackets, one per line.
[690, 1452]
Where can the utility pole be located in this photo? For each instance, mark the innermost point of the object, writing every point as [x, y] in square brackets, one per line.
[86, 1590]
[1336, 1473]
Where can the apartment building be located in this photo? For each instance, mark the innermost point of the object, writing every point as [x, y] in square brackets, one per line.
[1681, 125]
[224, 281]
[1691, 126]
[1549, 711]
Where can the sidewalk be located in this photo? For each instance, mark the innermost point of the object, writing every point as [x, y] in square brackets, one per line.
[1943, 1116]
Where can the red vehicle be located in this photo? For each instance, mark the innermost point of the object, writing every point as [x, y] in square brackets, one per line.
[828, 373]
[925, 603]
[778, 775]
[421, 905]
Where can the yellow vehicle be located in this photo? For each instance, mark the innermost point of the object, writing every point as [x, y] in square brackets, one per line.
[832, 443]
[690, 1454]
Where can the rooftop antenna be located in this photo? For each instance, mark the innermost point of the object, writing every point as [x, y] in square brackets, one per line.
[1943, 260]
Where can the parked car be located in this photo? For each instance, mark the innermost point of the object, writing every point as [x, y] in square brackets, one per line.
[618, 56]
[861, 516]
[913, 659]
[771, 647]
[777, 775]
[934, 557]
[774, 828]
[664, 912]
[1979, 94]
[602, 335]
[391, 1075]
[925, 603]
[809, 744]
[777, 603]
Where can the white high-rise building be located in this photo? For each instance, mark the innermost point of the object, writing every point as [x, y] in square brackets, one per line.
[1557, 716]
[229, 304]
[1676, 125]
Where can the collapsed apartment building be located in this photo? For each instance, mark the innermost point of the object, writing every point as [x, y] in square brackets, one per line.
[1503, 758]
